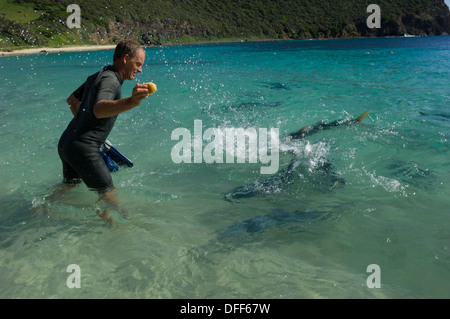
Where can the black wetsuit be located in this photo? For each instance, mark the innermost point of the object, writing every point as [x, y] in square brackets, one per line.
[79, 145]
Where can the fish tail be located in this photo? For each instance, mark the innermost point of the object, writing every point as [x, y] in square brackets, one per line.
[362, 116]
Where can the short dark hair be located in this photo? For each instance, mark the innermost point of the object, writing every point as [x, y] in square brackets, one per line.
[129, 47]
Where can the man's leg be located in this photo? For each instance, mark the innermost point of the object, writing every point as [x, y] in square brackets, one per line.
[110, 198]
[71, 179]
[96, 175]
[60, 190]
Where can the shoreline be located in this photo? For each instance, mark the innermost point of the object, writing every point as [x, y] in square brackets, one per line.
[75, 48]
[99, 47]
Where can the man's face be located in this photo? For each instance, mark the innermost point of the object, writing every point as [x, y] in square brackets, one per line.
[133, 66]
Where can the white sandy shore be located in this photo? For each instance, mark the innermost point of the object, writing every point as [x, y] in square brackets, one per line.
[110, 47]
[105, 47]
[56, 50]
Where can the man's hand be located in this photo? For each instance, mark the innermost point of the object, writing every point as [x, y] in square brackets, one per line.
[140, 92]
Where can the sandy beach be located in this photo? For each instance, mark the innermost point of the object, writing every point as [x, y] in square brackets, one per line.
[81, 48]
[57, 50]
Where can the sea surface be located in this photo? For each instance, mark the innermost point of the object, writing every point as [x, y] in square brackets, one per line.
[362, 212]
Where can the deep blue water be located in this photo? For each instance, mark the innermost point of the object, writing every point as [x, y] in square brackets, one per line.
[298, 235]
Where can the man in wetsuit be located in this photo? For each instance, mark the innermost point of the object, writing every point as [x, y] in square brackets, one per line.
[95, 106]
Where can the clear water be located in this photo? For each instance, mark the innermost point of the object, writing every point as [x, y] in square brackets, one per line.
[183, 240]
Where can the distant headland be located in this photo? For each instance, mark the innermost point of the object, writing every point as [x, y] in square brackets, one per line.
[26, 24]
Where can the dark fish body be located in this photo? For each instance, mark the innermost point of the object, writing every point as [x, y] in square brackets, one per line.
[267, 186]
[279, 217]
[437, 115]
[309, 130]
[328, 179]
[255, 105]
[277, 86]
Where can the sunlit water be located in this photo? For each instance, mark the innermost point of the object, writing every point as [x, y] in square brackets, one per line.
[306, 238]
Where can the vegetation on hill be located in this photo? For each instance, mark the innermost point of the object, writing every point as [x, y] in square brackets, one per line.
[44, 22]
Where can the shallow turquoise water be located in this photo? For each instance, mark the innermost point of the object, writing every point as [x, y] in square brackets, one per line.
[183, 240]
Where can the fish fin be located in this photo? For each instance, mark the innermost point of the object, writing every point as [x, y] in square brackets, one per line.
[362, 116]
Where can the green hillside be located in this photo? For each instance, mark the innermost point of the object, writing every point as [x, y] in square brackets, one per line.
[25, 23]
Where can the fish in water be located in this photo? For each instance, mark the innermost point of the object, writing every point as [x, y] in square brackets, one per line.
[308, 130]
[277, 86]
[279, 217]
[414, 174]
[246, 231]
[438, 115]
[267, 186]
[255, 104]
[325, 177]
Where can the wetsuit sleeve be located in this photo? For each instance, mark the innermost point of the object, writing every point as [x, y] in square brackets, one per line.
[108, 88]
